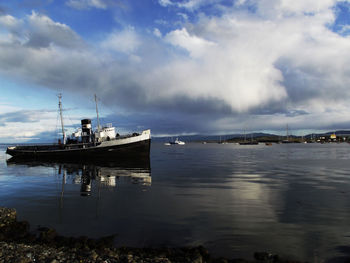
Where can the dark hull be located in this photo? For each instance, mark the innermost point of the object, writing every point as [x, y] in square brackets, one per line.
[140, 149]
[128, 163]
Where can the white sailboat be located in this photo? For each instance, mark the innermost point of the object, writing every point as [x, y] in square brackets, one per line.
[177, 141]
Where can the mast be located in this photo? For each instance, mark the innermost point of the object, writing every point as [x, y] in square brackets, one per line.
[287, 133]
[98, 119]
[62, 125]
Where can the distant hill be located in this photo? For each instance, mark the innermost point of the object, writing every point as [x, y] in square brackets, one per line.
[214, 138]
[262, 137]
[341, 132]
[338, 133]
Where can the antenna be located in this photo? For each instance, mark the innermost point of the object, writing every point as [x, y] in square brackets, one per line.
[62, 125]
[98, 119]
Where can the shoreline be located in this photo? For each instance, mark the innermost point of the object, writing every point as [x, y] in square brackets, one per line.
[19, 244]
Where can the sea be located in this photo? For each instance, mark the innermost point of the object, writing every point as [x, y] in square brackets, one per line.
[287, 199]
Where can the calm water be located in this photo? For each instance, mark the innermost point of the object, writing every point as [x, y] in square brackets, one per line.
[235, 200]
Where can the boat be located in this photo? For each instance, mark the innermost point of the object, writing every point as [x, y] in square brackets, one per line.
[222, 142]
[176, 142]
[287, 136]
[86, 143]
[251, 142]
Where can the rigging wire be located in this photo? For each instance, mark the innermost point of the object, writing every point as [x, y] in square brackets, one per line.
[108, 110]
[71, 123]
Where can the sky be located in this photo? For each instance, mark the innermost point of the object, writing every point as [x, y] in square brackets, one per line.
[176, 67]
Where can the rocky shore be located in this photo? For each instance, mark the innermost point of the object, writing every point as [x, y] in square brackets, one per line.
[19, 244]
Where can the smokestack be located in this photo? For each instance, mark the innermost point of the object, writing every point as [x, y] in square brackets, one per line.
[86, 134]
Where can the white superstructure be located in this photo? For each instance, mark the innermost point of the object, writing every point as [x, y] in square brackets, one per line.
[106, 133]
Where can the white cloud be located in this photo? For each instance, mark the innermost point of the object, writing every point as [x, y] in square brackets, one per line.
[183, 16]
[196, 46]
[193, 4]
[190, 5]
[165, 2]
[240, 2]
[86, 4]
[157, 32]
[252, 59]
[126, 41]
[286, 8]
[9, 21]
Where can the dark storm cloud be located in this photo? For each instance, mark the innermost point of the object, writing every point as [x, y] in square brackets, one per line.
[315, 79]
[293, 113]
[56, 37]
[133, 96]
[296, 80]
[160, 124]
[196, 106]
[280, 108]
[172, 116]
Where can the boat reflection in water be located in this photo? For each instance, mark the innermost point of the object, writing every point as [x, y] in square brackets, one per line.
[107, 176]
[105, 173]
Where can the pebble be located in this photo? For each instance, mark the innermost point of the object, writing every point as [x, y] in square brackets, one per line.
[18, 244]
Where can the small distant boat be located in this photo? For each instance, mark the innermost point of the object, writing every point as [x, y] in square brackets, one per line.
[250, 142]
[268, 144]
[222, 142]
[176, 142]
[204, 142]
